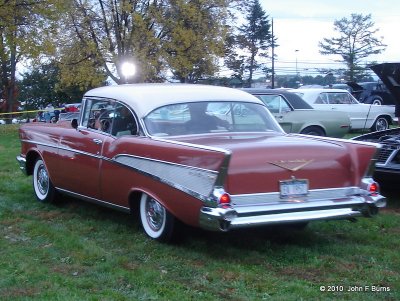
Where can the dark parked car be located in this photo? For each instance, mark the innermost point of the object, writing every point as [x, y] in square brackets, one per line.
[388, 161]
[372, 93]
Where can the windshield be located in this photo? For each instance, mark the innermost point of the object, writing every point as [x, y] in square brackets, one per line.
[208, 117]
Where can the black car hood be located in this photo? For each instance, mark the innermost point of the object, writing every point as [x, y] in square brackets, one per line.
[389, 73]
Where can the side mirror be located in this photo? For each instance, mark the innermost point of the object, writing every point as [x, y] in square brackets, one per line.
[74, 123]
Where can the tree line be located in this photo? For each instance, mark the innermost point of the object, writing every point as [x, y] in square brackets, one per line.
[74, 45]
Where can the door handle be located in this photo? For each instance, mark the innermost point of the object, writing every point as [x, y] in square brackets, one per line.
[97, 141]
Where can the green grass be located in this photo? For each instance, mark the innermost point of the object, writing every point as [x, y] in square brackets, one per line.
[78, 251]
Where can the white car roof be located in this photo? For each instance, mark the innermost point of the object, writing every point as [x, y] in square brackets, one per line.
[311, 94]
[144, 98]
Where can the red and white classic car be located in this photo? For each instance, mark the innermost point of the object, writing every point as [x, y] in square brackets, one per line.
[210, 157]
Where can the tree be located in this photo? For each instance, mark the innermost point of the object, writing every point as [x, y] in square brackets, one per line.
[41, 86]
[158, 36]
[356, 41]
[26, 29]
[253, 41]
[195, 36]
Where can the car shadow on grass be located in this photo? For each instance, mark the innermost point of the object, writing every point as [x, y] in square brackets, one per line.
[275, 239]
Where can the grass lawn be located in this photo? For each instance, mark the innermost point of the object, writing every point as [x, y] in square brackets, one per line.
[78, 251]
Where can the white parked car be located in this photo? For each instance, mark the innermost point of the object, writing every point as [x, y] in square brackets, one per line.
[2, 121]
[362, 116]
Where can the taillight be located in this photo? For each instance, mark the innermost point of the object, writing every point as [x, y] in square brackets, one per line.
[224, 199]
[221, 197]
[373, 188]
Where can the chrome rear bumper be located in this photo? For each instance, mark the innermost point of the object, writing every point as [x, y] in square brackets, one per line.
[289, 211]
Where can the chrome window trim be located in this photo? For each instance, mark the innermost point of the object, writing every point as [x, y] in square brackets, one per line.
[139, 124]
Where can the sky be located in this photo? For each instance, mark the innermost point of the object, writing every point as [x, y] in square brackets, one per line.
[300, 25]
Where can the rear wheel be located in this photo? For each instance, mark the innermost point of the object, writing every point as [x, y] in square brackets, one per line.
[44, 189]
[380, 124]
[157, 222]
[313, 130]
[376, 101]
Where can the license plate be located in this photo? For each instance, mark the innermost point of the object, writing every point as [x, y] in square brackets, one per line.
[293, 188]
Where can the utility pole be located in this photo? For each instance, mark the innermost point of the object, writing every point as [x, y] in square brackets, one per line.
[273, 54]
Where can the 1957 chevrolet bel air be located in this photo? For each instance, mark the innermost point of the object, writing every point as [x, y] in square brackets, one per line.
[210, 157]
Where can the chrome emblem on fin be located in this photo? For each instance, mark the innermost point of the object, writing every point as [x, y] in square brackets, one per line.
[292, 165]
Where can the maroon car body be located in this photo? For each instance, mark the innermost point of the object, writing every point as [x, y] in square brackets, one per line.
[235, 170]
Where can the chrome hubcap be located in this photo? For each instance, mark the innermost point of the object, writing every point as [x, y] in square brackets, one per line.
[42, 180]
[155, 214]
[381, 125]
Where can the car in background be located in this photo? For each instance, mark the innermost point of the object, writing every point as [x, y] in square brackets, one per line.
[2, 121]
[388, 162]
[362, 116]
[339, 86]
[372, 93]
[69, 112]
[296, 116]
[161, 152]
[71, 107]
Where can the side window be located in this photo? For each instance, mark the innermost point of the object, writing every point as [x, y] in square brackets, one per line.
[123, 121]
[340, 98]
[322, 99]
[275, 103]
[334, 98]
[97, 114]
[283, 106]
[348, 99]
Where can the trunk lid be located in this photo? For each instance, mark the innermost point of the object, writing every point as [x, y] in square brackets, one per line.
[259, 161]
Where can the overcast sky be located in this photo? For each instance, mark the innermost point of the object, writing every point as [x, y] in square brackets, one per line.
[300, 25]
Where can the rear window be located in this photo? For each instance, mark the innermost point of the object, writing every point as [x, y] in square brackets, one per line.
[208, 117]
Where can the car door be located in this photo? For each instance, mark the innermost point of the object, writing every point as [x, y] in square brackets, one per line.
[281, 110]
[344, 102]
[81, 151]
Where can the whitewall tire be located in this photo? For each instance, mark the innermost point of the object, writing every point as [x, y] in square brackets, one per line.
[156, 221]
[44, 189]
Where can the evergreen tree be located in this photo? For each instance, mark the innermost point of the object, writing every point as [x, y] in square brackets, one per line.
[253, 41]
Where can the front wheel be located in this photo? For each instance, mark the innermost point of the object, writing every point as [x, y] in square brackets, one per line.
[44, 189]
[380, 124]
[313, 130]
[157, 222]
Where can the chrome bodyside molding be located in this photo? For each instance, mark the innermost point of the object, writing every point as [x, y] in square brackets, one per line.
[63, 148]
[196, 181]
[93, 200]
